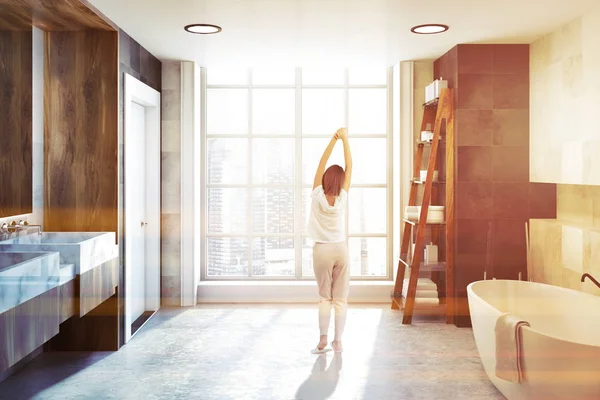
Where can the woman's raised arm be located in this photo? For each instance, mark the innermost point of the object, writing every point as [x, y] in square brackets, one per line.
[347, 159]
[324, 159]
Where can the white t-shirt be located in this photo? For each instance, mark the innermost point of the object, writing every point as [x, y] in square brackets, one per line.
[327, 224]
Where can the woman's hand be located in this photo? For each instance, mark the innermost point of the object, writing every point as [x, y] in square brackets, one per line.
[341, 133]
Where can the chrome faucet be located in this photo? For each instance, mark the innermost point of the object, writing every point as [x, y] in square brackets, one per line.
[23, 226]
[26, 226]
[14, 227]
[591, 278]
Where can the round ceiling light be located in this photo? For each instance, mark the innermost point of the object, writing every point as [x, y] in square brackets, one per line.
[203, 29]
[429, 29]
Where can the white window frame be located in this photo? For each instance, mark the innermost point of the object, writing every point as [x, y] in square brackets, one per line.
[298, 186]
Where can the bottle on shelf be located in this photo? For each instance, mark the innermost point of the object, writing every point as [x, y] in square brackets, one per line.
[431, 253]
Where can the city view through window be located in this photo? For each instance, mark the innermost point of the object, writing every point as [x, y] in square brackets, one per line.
[265, 133]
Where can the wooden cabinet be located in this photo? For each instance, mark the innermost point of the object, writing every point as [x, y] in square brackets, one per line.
[28, 326]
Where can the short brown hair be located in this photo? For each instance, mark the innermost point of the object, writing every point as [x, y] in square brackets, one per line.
[333, 179]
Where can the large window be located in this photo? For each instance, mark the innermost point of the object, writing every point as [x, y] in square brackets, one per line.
[264, 133]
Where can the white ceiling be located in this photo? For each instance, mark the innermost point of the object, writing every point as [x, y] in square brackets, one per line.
[341, 32]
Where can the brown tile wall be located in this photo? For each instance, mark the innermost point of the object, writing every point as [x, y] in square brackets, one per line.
[494, 197]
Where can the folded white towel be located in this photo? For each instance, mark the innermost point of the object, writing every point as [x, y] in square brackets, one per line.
[509, 350]
[422, 284]
[428, 294]
[426, 302]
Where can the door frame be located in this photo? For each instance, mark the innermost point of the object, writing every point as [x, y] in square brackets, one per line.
[137, 92]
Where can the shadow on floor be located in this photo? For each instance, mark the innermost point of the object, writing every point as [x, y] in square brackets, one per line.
[322, 381]
[46, 371]
[50, 369]
[425, 360]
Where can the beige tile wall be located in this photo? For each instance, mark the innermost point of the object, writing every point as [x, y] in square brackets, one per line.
[565, 94]
[171, 183]
[565, 149]
[423, 76]
[560, 253]
[564, 249]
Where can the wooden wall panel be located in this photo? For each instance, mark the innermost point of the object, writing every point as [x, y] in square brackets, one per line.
[138, 62]
[81, 131]
[52, 15]
[14, 19]
[16, 196]
[59, 131]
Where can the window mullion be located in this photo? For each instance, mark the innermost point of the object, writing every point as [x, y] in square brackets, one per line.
[298, 222]
[250, 178]
[390, 178]
[346, 119]
[203, 179]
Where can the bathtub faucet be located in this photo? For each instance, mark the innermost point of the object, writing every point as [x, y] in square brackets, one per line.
[591, 278]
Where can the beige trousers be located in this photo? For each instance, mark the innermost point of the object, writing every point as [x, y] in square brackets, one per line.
[330, 262]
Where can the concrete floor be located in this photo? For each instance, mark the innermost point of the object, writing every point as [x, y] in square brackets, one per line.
[263, 352]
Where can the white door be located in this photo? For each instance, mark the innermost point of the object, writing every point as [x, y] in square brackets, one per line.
[142, 203]
[136, 231]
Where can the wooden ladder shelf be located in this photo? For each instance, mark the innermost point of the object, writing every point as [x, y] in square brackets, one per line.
[439, 114]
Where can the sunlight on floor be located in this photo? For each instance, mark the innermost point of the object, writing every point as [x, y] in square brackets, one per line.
[263, 352]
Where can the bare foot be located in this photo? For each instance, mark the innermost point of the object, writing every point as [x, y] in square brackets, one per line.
[337, 346]
[322, 342]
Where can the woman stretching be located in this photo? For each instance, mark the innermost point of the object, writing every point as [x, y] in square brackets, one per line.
[327, 229]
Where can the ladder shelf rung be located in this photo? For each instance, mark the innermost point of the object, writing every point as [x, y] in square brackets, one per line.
[432, 103]
[415, 223]
[425, 267]
[423, 309]
[420, 182]
[428, 142]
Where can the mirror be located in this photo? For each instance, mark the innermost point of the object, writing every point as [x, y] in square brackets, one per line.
[16, 195]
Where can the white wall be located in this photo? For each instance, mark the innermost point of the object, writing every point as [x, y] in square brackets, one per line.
[287, 292]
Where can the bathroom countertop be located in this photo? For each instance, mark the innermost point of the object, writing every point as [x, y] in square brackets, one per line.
[14, 292]
[17, 265]
[85, 250]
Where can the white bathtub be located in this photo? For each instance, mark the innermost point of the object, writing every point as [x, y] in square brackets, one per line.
[561, 349]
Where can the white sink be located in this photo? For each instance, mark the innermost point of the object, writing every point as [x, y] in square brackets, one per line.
[16, 266]
[24, 276]
[55, 238]
[85, 250]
